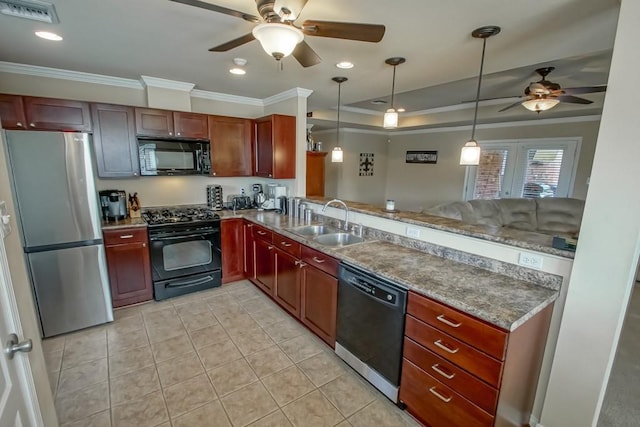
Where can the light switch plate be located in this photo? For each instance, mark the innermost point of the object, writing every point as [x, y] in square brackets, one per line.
[530, 260]
[5, 219]
[413, 232]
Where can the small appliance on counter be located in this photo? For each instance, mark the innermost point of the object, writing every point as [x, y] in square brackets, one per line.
[258, 196]
[273, 195]
[113, 204]
[215, 200]
[239, 202]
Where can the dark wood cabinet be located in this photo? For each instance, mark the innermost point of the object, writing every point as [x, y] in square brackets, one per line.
[12, 112]
[264, 265]
[315, 173]
[287, 281]
[232, 243]
[275, 149]
[319, 302]
[249, 251]
[190, 125]
[114, 139]
[231, 146]
[151, 122]
[128, 265]
[57, 114]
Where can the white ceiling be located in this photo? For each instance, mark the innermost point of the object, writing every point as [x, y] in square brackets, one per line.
[160, 38]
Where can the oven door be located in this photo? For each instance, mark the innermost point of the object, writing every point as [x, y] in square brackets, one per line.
[185, 252]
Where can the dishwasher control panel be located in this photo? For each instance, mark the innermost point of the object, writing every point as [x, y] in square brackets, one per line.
[373, 290]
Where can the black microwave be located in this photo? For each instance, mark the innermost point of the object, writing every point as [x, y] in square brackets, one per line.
[173, 157]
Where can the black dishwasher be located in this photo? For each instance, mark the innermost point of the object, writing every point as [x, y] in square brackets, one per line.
[370, 326]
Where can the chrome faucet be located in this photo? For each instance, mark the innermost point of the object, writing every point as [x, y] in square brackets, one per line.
[346, 211]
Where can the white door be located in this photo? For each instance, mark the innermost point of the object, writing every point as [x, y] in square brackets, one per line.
[18, 406]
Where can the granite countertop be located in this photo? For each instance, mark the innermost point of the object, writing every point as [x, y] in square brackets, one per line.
[497, 299]
[509, 236]
[123, 223]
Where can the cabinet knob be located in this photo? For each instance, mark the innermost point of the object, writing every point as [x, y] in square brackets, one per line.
[135, 174]
[269, 247]
[32, 125]
[144, 245]
[269, 175]
[170, 133]
[19, 124]
[178, 133]
[214, 174]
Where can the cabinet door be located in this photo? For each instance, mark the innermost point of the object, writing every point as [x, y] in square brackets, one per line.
[114, 139]
[191, 125]
[287, 286]
[232, 250]
[129, 273]
[154, 122]
[264, 148]
[231, 146]
[319, 303]
[12, 112]
[284, 146]
[315, 173]
[249, 251]
[57, 114]
[264, 265]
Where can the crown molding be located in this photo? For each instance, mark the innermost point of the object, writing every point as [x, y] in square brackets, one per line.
[224, 97]
[56, 73]
[167, 84]
[296, 92]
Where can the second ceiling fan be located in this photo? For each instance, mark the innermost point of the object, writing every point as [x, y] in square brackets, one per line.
[280, 37]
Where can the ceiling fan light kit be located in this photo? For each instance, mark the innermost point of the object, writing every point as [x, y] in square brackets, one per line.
[278, 40]
[390, 120]
[470, 153]
[337, 153]
[540, 104]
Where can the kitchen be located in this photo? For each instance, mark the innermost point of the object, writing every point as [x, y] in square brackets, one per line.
[26, 90]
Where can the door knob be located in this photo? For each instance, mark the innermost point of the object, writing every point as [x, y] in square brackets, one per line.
[13, 346]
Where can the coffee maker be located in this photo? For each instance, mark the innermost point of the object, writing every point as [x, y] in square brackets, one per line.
[274, 196]
[113, 204]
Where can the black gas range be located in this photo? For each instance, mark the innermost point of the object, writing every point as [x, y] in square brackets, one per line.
[185, 251]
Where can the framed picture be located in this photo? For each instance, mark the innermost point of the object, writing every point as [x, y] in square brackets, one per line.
[422, 157]
[366, 164]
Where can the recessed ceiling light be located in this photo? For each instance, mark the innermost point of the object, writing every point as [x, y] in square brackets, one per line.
[378, 102]
[48, 36]
[345, 65]
[238, 70]
[400, 110]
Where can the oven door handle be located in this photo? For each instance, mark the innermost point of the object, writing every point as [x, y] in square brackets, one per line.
[188, 283]
[178, 237]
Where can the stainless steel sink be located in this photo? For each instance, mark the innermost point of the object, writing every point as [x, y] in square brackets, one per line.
[338, 239]
[313, 230]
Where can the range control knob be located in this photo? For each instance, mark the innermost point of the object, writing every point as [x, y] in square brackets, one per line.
[389, 297]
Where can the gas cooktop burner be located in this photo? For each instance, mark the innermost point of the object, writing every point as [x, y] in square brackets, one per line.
[177, 215]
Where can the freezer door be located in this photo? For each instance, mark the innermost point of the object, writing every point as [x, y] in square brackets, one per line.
[71, 288]
[54, 186]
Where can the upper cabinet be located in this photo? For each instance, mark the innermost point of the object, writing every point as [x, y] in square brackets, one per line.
[276, 147]
[26, 112]
[164, 123]
[231, 146]
[114, 139]
[315, 173]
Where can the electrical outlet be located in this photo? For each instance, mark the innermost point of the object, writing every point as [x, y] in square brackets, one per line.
[413, 232]
[530, 260]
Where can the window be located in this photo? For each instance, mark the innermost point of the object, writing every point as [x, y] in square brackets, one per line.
[529, 169]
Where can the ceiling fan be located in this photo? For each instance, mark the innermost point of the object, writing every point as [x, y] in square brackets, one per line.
[280, 37]
[543, 94]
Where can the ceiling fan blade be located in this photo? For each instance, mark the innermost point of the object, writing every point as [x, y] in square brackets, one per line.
[294, 7]
[233, 43]
[219, 9]
[585, 89]
[306, 56]
[573, 99]
[344, 30]
[515, 104]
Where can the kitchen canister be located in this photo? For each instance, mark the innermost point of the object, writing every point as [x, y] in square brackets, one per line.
[308, 215]
[301, 208]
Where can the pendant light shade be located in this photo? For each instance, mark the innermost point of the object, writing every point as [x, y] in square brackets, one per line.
[391, 116]
[337, 153]
[540, 104]
[470, 154]
[278, 40]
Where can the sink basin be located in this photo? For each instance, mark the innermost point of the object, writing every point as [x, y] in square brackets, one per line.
[313, 230]
[338, 239]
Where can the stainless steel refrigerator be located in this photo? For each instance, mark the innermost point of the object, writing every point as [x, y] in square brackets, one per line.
[53, 183]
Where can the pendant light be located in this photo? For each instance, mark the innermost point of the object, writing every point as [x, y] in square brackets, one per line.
[391, 116]
[336, 153]
[470, 154]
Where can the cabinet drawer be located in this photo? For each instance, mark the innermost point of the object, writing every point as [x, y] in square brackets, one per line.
[435, 403]
[125, 235]
[290, 246]
[484, 337]
[262, 233]
[468, 358]
[452, 376]
[319, 260]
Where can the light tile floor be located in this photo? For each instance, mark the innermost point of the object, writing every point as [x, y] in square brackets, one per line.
[224, 357]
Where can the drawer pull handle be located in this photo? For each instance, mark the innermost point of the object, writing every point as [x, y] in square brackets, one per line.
[262, 233]
[440, 370]
[285, 244]
[249, 225]
[445, 399]
[448, 322]
[126, 236]
[318, 260]
[445, 347]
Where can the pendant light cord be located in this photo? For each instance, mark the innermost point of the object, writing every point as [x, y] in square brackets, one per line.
[393, 87]
[338, 121]
[475, 114]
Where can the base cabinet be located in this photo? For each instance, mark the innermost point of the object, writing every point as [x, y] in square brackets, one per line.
[128, 265]
[319, 306]
[249, 251]
[232, 249]
[264, 265]
[287, 282]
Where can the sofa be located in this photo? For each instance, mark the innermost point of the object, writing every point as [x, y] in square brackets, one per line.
[548, 215]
